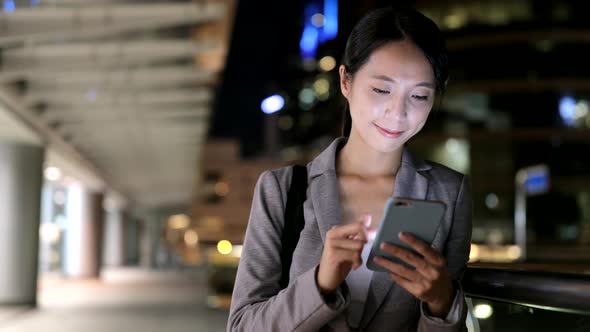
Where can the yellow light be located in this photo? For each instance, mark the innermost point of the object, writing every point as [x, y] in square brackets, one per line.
[327, 63]
[581, 109]
[50, 233]
[453, 145]
[224, 247]
[513, 252]
[321, 87]
[179, 221]
[221, 188]
[474, 253]
[191, 238]
[455, 21]
[483, 311]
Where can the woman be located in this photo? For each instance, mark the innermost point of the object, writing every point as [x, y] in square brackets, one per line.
[394, 66]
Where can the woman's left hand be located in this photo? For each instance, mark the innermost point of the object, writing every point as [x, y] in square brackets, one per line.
[430, 282]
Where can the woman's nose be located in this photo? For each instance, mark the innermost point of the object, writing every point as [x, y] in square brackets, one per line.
[396, 108]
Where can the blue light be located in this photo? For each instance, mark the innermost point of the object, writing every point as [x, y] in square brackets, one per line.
[272, 104]
[537, 183]
[310, 37]
[35, 3]
[9, 6]
[309, 41]
[313, 36]
[567, 110]
[330, 29]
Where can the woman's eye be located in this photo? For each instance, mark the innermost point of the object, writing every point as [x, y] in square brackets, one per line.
[420, 98]
[379, 91]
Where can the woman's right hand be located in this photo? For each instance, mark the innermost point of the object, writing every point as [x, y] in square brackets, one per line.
[342, 253]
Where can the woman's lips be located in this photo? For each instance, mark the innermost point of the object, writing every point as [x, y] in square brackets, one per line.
[388, 133]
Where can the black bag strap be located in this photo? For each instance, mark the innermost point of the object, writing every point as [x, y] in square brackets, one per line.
[294, 220]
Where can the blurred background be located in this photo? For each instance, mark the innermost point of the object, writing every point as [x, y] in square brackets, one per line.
[132, 134]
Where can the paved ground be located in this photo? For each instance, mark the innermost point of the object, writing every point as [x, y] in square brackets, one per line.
[125, 300]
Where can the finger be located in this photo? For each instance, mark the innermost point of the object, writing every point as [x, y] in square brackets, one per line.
[343, 231]
[432, 273]
[362, 236]
[425, 269]
[424, 249]
[407, 285]
[405, 255]
[358, 262]
[398, 269]
[347, 244]
[348, 257]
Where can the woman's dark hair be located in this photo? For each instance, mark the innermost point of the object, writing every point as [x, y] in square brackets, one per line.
[385, 25]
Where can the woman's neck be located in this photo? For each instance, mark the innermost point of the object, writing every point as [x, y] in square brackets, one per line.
[358, 158]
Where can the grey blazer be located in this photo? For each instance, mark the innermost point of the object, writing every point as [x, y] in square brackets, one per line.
[258, 303]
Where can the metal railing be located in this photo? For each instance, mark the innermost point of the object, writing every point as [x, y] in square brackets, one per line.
[565, 292]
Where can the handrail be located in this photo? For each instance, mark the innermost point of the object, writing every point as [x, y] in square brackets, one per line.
[564, 292]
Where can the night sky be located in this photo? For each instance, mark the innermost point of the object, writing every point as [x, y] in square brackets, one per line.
[259, 50]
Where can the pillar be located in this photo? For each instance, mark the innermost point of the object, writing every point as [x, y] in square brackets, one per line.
[83, 247]
[114, 239]
[21, 179]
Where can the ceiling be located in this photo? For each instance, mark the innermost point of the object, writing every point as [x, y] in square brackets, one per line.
[126, 85]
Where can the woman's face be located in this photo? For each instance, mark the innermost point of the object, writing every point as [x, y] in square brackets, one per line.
[390, 96]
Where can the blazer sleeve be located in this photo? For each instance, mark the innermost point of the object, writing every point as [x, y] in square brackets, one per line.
[456, 251]
[258, 303]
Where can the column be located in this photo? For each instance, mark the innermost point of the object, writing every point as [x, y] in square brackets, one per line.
[83, 247]
[21, 178]
[132, 240]
[114, 239]
[150, 233]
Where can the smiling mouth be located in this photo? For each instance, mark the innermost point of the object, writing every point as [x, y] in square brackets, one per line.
[388, 133]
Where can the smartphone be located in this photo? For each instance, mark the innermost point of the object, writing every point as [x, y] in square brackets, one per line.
[418, 217]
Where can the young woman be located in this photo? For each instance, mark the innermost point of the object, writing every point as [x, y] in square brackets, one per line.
[394, 67]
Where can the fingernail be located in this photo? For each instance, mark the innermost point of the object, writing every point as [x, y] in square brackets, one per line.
[382, 246]
[402, 235]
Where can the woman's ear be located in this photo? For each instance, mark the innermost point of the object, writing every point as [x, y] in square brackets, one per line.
[345, 81]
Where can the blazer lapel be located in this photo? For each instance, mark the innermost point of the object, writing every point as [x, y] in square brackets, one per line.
[324, 191]
[326, 201]
[408, 184]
